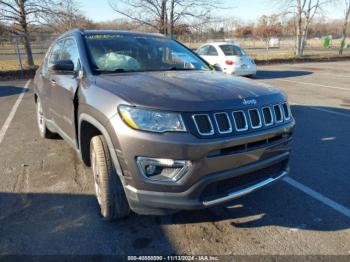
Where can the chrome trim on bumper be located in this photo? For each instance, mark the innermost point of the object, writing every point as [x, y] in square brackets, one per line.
[242, 192]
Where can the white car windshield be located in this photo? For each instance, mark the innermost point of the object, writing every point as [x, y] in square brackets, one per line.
[232, 50]
[129, 53]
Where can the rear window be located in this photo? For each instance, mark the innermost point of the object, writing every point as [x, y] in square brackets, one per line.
[232, 50]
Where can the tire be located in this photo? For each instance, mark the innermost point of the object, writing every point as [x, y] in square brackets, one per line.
[110, 193]
[43, 130]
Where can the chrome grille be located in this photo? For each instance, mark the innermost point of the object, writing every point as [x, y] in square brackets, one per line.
[278, 113]
[240, 121]
[203, 124]
[223, 123]
[255, 119]
[267, 116]
[231, 122]
[286, 111]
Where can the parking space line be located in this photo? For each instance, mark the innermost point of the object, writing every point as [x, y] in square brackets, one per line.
[314, 84]
[325, 200]
[12, 113]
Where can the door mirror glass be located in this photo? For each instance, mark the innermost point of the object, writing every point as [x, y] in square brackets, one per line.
[62, 66]
[217, 67]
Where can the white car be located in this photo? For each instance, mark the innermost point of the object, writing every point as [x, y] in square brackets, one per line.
[231, 58]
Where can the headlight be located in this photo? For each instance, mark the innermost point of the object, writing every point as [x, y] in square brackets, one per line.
[151, 120]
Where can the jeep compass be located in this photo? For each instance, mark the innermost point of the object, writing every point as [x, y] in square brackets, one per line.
[161, 129]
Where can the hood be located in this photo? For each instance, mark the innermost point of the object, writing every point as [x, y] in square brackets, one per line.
[187, 90]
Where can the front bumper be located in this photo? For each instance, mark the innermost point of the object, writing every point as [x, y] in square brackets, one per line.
[249, 70]
[211, 164]
[193, 198]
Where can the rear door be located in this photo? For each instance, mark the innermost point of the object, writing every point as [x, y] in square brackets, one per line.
[64, 87]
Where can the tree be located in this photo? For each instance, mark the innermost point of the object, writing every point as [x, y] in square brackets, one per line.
[267, 27]
[22, 13]
[245, 31]
[345, 25]
[303, 12]
[68, 16]
[164, 15]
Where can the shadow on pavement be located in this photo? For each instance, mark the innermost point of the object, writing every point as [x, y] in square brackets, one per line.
[274, 74]
[11, 90]
[49, 223]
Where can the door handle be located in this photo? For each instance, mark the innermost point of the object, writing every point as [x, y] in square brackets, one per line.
[53, 81]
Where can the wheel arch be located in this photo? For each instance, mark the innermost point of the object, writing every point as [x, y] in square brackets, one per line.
[89, 127]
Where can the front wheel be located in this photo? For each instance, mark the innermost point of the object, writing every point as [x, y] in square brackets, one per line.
[109, 189]
[43, 130]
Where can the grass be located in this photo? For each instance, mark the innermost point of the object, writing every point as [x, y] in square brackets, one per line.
[12, 65]
[264, 56]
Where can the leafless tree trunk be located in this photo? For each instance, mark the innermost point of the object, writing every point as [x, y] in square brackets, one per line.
[172, 10]
[345, 25]
[15, 12]
[21, 13]
[23, 22]
[162, 22]
[304, 12]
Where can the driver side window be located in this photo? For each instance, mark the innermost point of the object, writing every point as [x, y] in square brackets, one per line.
[203, 50]
[55, 52]
[70, 52]
[212, 51]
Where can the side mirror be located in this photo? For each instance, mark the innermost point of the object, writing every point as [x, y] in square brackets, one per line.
[216, 67]
[62, 66]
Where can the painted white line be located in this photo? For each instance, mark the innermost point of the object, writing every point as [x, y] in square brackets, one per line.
[12, 113]
[325, 200]
[314, 84]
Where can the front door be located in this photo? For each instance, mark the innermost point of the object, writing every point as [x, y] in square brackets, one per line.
[63, 89]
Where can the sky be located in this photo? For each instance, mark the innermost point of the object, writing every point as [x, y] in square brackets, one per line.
[248, 10]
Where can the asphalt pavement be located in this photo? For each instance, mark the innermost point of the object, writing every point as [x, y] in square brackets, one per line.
[47, 202]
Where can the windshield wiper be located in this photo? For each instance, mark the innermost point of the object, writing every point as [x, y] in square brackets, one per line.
[174, 68]
[117, 70]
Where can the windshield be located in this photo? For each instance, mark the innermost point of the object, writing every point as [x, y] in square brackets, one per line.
[130, 53]
[232, 50]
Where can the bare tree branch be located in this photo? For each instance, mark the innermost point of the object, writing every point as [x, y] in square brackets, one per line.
[164, 15]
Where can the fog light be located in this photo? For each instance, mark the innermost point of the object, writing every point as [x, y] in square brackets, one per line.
[163, 169]
[150, 170]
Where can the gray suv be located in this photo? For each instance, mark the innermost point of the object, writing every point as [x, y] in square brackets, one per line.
[161, 129]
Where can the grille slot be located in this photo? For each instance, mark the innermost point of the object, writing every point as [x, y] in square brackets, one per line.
[240, 121]
[267, 115]
[223, 123]
[203, 124]
[278, 113]
[249, 146]
[286, 111]
[255, 119]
